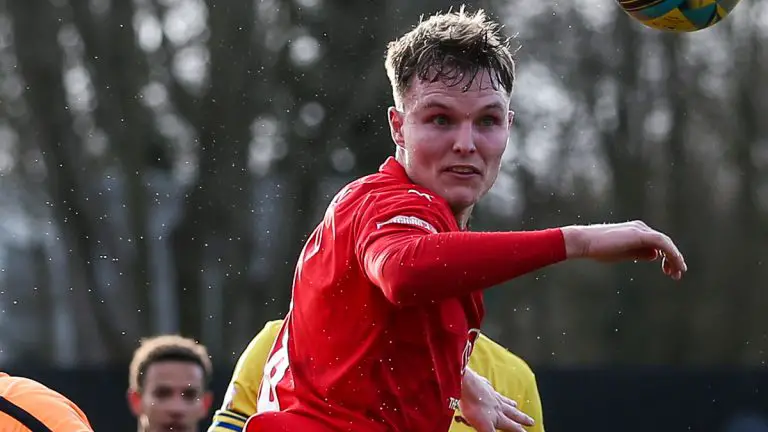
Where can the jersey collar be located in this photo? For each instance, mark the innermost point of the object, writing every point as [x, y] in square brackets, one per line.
[392, 167]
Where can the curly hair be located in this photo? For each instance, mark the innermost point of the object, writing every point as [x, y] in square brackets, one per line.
[167, 348]
[453, 47]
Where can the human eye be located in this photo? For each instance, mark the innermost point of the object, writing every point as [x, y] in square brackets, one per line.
[162, 393]
[489, 121]
[439, 120]
[190, 395]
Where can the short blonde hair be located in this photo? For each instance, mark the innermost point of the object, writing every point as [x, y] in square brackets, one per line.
[453, 47]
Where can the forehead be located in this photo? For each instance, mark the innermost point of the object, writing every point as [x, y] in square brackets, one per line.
[467, 93]
[175, 374]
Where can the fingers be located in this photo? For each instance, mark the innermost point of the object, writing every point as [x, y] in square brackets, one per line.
[512, 419]
[506, 400]
[628, 241]
[670, 270]
[642, 254]
[673, 263]
[647, 254]
[517, 416]
[507, 425]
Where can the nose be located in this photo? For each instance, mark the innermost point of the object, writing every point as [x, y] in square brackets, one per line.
[465, 141]
[176, 406]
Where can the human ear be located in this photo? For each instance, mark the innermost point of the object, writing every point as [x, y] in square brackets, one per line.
[134, 402]
[396, 121]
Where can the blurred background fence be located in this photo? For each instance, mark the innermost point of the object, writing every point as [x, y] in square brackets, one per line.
[162, 161]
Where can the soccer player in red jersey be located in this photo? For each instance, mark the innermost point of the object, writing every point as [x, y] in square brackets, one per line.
[387, 295]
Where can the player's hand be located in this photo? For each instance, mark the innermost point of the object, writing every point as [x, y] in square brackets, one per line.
[486, 410]
[624, 241]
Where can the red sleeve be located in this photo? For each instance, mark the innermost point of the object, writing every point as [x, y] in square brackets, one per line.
[406, 251]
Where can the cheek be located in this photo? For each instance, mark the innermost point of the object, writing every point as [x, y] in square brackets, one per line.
[419, 135]
[197, 410]
[428, 146]
[493, 151]
[150, 406]
[493, 174]
[494, 146]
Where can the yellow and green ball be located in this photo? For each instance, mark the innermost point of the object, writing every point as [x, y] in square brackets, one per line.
[678, 15]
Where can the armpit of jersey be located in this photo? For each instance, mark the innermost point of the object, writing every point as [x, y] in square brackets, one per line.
[408, 220]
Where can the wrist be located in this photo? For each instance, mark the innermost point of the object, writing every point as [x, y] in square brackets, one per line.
[575, 243]
[471, 382]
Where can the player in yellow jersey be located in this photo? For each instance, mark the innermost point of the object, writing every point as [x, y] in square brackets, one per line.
[508, 374]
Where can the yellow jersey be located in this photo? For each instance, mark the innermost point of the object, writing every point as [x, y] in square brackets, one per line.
[509, 375]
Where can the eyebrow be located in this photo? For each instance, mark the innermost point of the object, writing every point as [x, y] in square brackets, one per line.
[437, 104]
[168, 387]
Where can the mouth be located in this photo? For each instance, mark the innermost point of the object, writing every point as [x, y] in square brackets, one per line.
[463, 171]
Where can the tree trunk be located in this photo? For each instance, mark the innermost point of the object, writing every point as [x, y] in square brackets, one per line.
[220, 203]
[40, 61]
[119, 71]
[743, 281]
[623, 147]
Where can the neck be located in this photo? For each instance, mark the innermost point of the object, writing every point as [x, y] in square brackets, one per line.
[462, 217]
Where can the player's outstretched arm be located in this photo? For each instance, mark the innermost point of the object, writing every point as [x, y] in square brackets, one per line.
[412, 266]
[413, 269]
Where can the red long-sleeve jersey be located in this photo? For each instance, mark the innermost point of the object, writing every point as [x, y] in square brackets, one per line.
[386, 305]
